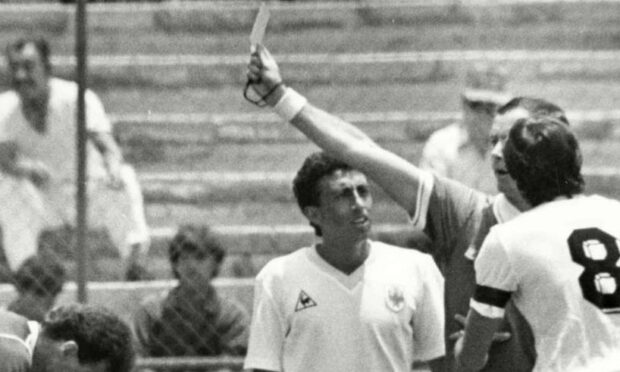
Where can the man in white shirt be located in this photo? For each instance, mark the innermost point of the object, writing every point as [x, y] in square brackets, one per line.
[38, 163]
[558, 262]
[347, 303]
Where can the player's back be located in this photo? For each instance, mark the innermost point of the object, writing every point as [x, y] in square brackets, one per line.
[564, 255]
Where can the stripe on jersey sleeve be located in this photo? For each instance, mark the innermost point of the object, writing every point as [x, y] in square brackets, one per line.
[425, 187]
[490, 302]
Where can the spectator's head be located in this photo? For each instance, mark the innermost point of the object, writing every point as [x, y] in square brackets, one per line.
[38, 281]
[333, 196]
[507, 115]
[196, 254]
[85, 339]
[485, 91]
[28, 61]
[543, 157]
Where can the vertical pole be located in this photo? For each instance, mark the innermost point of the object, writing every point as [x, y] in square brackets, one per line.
[81, 200]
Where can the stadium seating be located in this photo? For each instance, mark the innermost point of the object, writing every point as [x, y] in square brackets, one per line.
[171, 73]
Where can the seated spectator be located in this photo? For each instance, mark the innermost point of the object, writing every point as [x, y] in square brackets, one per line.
[38, 281]
[192, 319]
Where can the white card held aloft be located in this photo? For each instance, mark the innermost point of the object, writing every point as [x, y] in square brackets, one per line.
[260, 25]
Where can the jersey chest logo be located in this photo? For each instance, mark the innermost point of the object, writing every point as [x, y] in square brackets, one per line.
[395, 299]
[304, 301]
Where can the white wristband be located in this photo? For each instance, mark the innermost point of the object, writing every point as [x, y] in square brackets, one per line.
[290, 104]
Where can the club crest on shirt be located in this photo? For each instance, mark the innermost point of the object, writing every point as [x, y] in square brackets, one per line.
[304, 301]
[395, 299]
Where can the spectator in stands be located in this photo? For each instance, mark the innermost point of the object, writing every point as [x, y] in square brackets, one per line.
[192, 319]
[461, 151]
[71, 339]
[38, 163]
[347, 303]
[38, 281]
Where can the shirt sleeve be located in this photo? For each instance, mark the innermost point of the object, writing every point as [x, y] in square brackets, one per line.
[97, 120]
[428, 323]
[267, 330]
[495, 278]
[418, 216]
[233, 328]
[14, 356]
[453, 213]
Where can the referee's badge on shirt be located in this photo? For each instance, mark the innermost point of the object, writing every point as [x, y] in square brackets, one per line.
[395, 299]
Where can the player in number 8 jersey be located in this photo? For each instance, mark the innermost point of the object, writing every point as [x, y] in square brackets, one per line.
[558, 262]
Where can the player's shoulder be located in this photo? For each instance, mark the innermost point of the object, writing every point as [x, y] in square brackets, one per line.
[598, 201]
[12, 323]
[394, 255]
[278, 267]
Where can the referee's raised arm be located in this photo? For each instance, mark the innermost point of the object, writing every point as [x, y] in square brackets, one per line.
[398, 177]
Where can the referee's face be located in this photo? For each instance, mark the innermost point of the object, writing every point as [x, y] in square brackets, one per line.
[345, 204]
[499, 133]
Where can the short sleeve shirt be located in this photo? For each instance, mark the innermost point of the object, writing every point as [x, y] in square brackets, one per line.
[308, 316]
[559, 264]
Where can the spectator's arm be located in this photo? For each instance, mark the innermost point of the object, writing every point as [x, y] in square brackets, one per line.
[234, 328]
[12, 163]
[112, 156]
[141, 328]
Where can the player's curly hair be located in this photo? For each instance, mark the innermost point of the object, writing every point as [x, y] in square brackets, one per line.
[197, 240]
[305, 185]
[99, 334]
[544, 158]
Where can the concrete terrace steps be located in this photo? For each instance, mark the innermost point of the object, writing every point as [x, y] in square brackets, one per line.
[237, 17]
[266, 127]
[176, 71]
[208, 188]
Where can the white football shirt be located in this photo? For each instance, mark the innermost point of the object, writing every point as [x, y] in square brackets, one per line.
[308, 316]
[559, 262]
